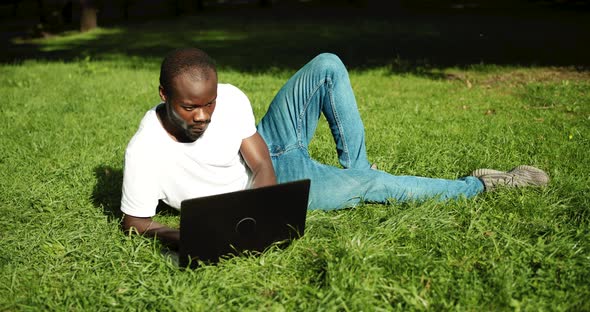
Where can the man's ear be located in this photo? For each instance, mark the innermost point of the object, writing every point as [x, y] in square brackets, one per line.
[162, 94]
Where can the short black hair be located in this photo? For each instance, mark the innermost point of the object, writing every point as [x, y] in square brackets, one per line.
[186, 60]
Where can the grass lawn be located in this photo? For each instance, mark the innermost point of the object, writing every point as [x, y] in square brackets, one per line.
[64, 126]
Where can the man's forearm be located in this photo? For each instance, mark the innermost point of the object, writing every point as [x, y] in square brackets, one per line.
[146, 226]
[168, 236]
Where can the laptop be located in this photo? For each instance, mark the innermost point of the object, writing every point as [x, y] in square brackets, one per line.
[227, 224]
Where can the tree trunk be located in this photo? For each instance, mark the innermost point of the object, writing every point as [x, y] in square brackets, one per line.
[87, 15]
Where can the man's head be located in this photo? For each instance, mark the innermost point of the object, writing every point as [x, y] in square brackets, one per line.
[188, 86]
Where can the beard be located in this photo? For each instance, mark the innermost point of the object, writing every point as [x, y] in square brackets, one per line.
[190, 131]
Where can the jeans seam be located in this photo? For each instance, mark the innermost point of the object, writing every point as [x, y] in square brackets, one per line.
[284, 151]
[339, 125]
[323, 81]
[304, 111]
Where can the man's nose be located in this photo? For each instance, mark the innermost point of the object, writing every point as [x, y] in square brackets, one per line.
[200, 115]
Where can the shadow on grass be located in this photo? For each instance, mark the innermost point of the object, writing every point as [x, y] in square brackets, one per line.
[404, 41]
[107, 191]
[107, 194]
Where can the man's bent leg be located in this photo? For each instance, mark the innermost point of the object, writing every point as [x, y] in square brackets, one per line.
[321, 86]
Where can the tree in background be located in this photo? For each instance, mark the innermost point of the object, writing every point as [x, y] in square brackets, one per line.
[56, 15]
[88, 10]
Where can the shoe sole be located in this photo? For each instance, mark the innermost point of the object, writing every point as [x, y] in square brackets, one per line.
[530, 175]
[517, 177]
[478, 173]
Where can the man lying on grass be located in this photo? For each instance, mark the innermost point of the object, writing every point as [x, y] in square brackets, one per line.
[202, 141]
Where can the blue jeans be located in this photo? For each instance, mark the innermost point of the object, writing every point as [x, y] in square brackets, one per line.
[323, 86]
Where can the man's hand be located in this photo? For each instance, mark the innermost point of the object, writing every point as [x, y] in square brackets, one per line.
[146, 226]
[255, 154]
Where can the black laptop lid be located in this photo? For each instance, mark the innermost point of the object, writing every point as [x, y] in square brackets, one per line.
[253, 219]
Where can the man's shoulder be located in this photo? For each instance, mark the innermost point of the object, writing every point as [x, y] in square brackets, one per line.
[232, 100]
[230, 91]
[147, 140]
[228, 87]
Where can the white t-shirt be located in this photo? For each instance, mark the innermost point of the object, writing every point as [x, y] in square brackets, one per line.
[159, 168]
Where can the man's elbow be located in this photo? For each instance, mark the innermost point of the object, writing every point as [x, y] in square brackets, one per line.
[131, 224]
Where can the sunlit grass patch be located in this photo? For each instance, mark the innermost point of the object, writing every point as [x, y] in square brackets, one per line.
[63, 132]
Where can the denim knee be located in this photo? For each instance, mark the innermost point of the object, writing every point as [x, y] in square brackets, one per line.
[329, 62]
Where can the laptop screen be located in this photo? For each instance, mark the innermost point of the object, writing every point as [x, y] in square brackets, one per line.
[227, 224]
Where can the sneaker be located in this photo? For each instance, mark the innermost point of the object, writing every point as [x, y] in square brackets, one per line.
[518, 177]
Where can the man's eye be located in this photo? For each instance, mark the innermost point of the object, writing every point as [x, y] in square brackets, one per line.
[188, 108]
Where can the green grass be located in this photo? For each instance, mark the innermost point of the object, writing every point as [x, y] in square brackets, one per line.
[63, 131]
